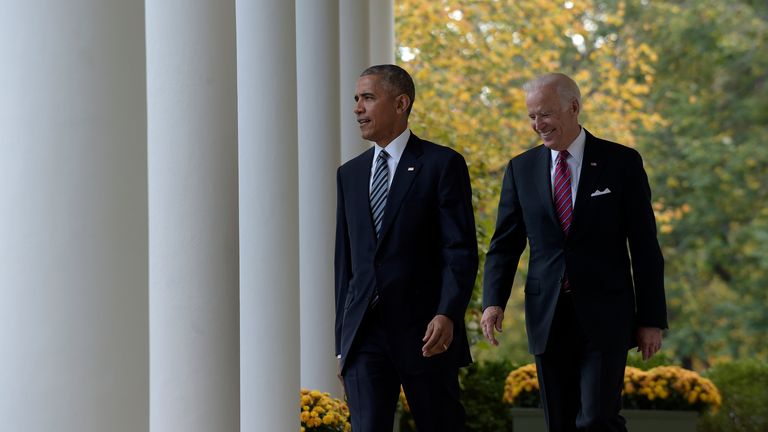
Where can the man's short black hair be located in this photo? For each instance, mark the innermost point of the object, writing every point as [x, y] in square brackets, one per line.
[396, 78]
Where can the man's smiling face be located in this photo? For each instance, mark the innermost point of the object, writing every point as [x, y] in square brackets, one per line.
[556, 124]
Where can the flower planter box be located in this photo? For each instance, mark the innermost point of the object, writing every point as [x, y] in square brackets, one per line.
[532, 420]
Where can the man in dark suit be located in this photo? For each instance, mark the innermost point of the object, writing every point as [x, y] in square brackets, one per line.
[583, 205]
[406, 260]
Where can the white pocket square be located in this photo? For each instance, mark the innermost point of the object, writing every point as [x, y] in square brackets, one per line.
[600, 192]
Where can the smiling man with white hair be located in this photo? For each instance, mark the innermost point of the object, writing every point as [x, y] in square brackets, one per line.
[595, 282]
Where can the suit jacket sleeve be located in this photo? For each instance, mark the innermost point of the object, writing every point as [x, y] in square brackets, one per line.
[647, 260]
[507, 244]
[459, 240]
[342, 263]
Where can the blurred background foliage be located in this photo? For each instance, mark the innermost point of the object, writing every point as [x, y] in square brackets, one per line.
[684, 82]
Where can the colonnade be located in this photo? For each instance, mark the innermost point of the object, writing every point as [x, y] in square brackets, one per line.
[167, 174]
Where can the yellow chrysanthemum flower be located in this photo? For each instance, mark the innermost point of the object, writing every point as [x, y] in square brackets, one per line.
[663, 387]
[320, 411]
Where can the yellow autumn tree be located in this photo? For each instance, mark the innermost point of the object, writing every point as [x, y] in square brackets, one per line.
[469, 60]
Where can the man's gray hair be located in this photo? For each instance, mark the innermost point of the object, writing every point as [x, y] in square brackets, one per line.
[567, 89]
[396, 78]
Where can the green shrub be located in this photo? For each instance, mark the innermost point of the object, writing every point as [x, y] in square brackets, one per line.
[482, 386]
[744, 389]
[635, 359]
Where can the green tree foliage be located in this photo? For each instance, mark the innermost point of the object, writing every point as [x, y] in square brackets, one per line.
[470, 59]
[744, 388]
[682, 81]
[709, 169]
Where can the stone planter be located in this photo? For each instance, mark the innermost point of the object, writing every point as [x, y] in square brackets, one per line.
[528, 420]
[532, 420]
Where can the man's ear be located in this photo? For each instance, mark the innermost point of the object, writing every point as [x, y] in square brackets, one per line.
[403, 102]
[575, 107]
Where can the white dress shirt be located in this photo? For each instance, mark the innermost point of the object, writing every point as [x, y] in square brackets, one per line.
[395, 150]
[576, 150]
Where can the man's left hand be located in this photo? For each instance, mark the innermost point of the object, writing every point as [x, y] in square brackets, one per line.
[648, 341]
[438, 337]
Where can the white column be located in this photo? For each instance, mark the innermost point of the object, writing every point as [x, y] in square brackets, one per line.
[381, 22]
[193, 243]
[354, 58]
[73, 215]
[269, 228]
[317, 77]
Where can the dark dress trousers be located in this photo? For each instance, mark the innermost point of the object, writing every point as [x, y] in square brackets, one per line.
[423, 264]
[580, 339]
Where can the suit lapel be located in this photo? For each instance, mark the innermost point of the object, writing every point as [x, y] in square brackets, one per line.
[407, 170]
[362, 189]
[591, 166]
[543, 180]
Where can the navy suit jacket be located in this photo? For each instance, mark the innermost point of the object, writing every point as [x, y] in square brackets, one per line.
[612, 219]
[423, 264]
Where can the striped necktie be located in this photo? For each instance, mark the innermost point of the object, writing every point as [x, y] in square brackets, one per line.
[379, 190]
[563, 201]
[562, 188]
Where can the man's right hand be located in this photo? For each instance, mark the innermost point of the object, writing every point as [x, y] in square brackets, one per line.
[491, 322]
[341, 379]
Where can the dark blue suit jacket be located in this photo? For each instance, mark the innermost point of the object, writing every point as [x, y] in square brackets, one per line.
[423, 264]
[612, 220]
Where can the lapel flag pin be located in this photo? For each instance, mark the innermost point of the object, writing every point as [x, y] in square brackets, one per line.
[410, 168]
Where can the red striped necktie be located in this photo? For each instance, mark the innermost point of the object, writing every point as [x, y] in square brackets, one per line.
[563, 200]
[562, 188]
